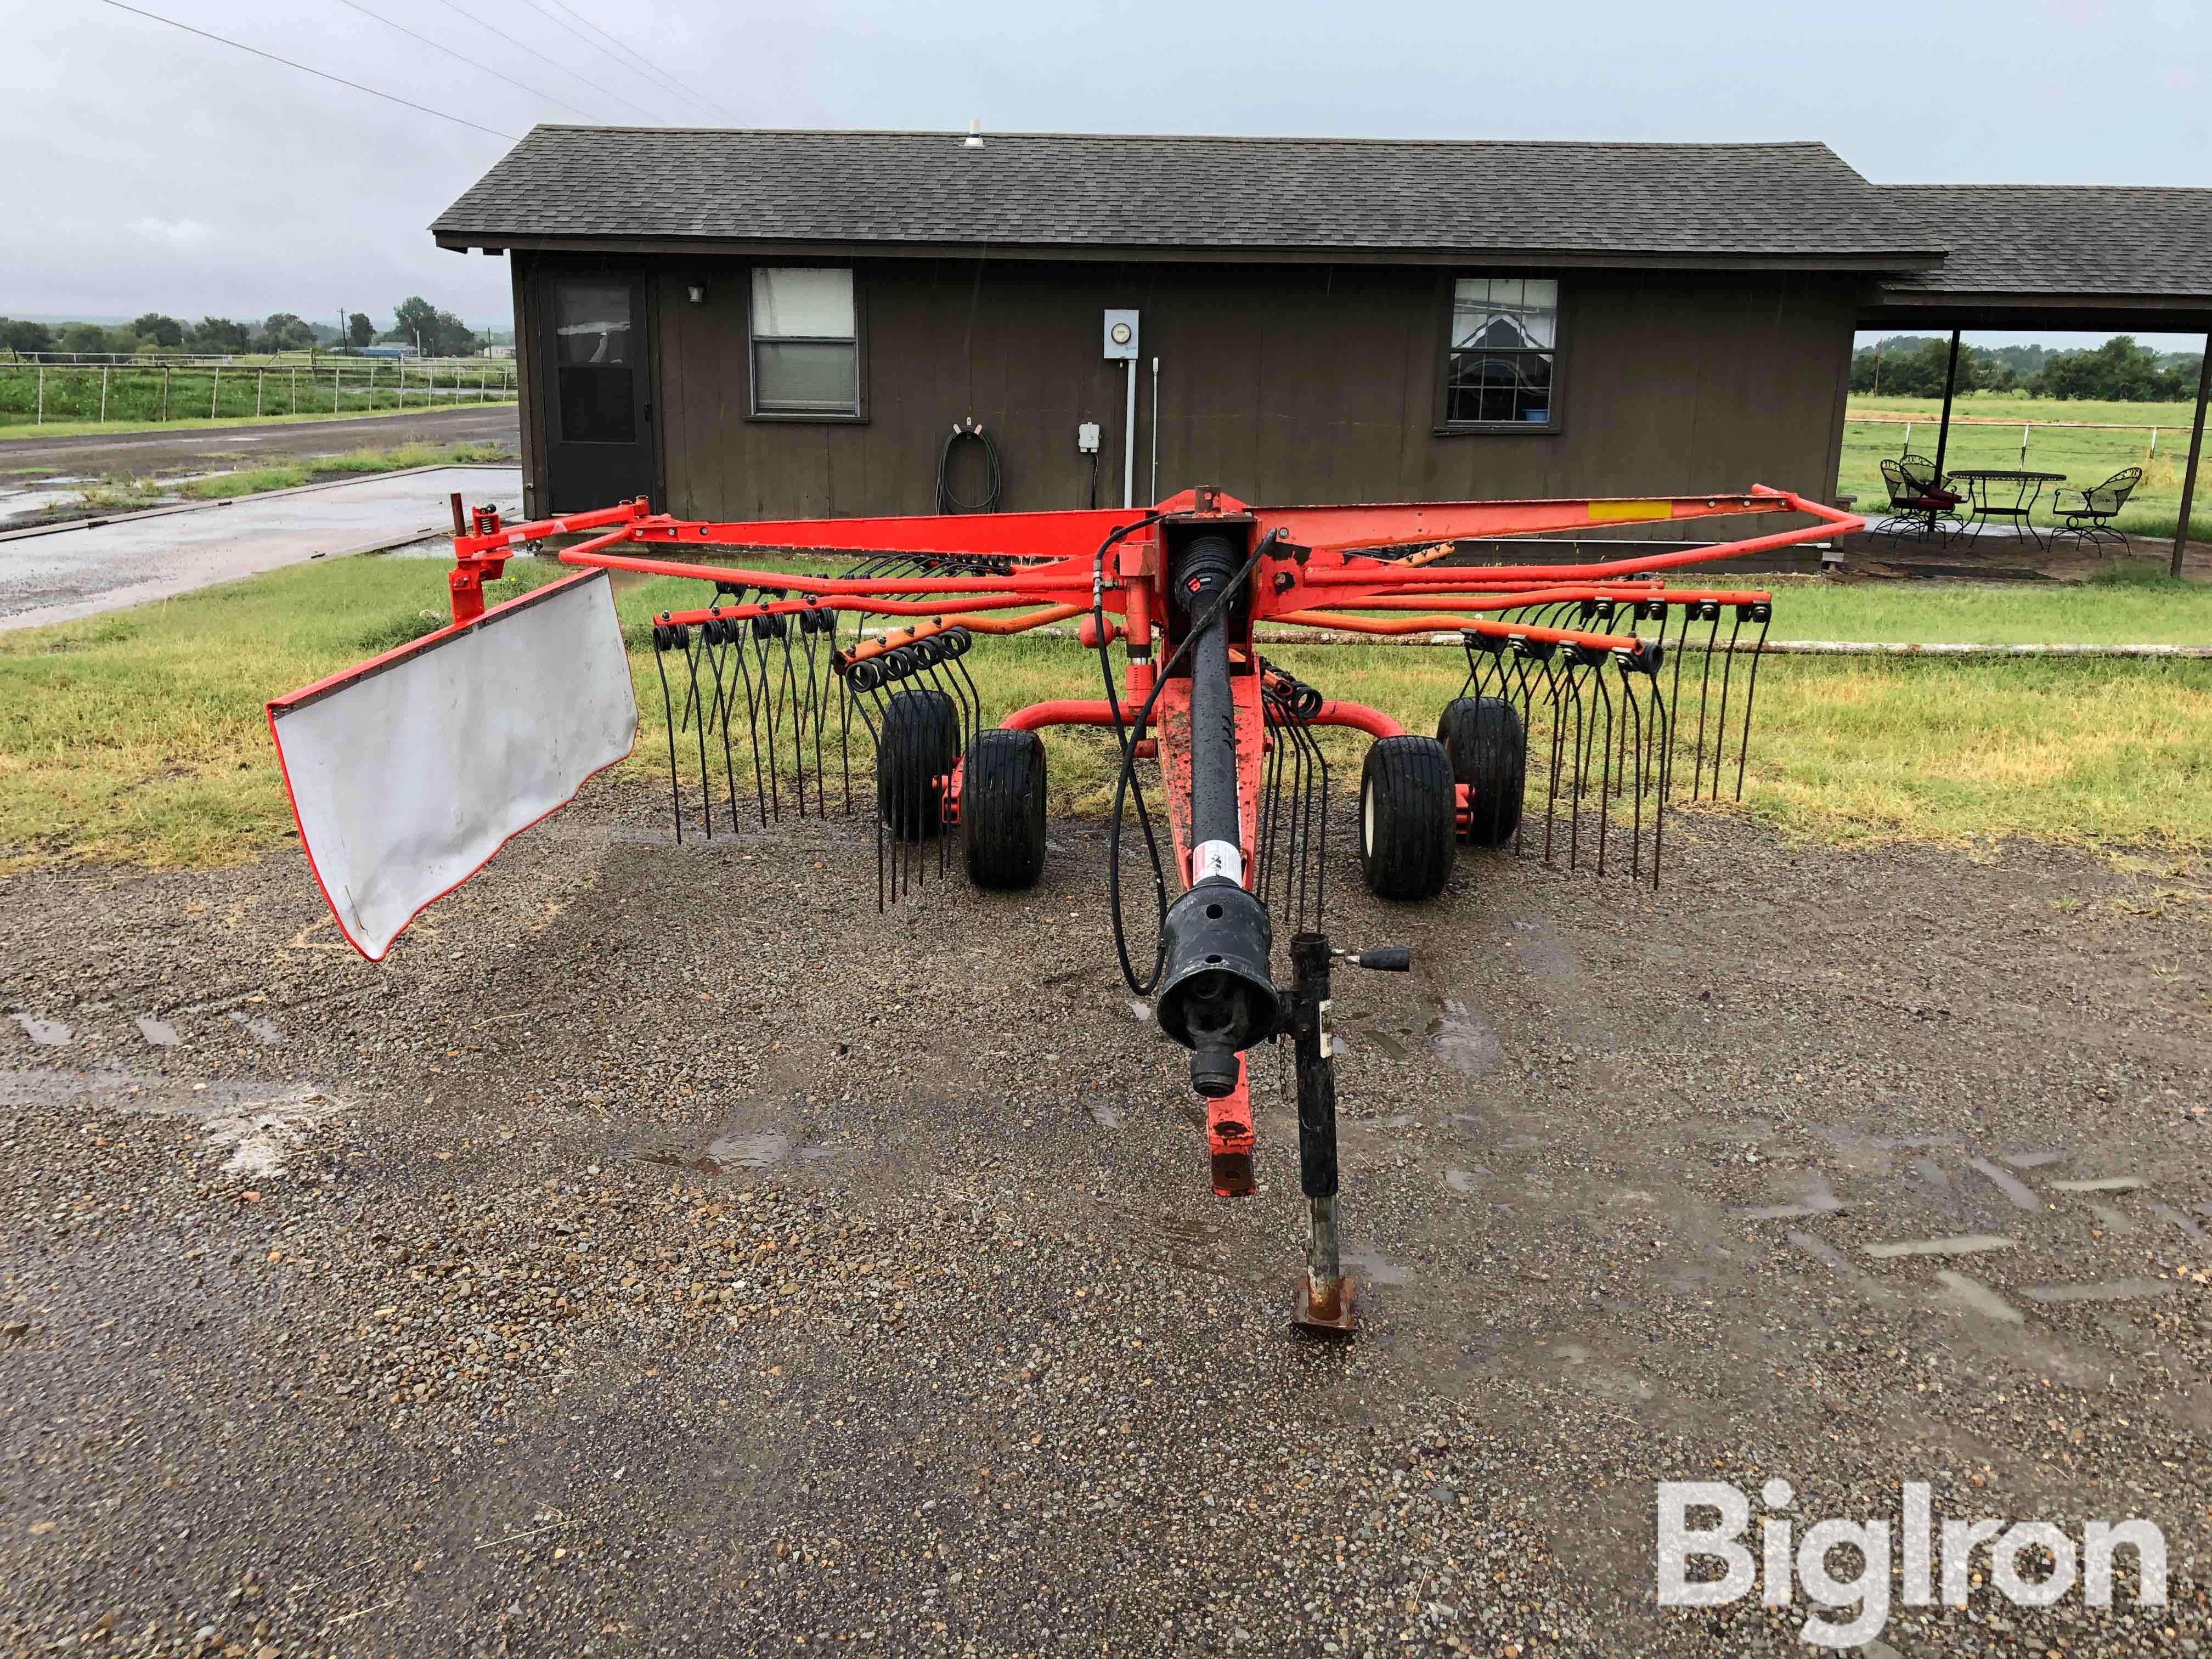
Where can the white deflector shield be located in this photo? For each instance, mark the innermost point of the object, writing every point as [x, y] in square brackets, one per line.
[408, 771]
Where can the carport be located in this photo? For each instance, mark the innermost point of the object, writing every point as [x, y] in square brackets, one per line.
[2073, 256]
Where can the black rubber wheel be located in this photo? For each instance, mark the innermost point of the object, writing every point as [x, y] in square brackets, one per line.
[920, 742]
[1489, 752]
[1408, 814]
[1002, 810]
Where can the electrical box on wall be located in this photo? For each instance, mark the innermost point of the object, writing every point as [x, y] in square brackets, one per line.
[1086, 438]
[1121, 335]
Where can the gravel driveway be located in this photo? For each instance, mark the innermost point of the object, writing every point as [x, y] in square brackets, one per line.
[663, 1253]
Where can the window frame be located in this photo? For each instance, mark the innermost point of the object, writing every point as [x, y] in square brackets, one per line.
[1447, 294]
[856, 415]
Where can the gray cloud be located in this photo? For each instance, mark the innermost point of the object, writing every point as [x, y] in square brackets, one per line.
[161, 170]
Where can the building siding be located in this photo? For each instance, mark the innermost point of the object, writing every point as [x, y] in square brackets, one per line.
[1280, 383]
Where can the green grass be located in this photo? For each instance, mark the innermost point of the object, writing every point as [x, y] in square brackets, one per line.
[139, 396]
[2085, 455]
[290, 475]
[139, 738]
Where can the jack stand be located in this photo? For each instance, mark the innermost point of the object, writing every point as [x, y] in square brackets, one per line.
[1325, 1295]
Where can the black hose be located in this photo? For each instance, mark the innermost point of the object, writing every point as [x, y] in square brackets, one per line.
[993, 473]
[1133, 734]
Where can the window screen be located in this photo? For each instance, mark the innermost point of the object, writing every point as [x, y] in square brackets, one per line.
[806, 341]
[594, 363]
[1504, 337]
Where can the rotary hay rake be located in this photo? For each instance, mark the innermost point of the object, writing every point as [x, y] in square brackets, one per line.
[817, 693]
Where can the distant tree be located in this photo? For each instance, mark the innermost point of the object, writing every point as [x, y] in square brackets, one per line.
[359, 329]
[160, 330]
[26, 336]
[439, 333]
[86, 339]
[2025, 362]
[284, 332]
[221, 334]
[2120, 370]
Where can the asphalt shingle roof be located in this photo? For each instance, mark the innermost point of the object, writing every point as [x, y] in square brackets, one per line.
[2061, 239]
[1797, 201]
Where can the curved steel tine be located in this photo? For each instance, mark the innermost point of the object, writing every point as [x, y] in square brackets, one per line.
[768, 717]
[668, 712]
[692, 654]
[1663, 737]
[1635, 712]
[859, 702]
[1704, 699]
[1604, 767]
[729, 763]
[1751, 691]
[1720, 721]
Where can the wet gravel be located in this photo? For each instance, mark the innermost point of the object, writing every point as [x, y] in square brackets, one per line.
[664, 1252]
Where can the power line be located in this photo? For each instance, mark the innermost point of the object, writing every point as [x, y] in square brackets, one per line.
[425, 41]
[320, 75]
[554, 63]
[665, 79]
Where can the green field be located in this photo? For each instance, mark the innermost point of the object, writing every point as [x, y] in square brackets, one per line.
[146, 393]
[139, 738]
[2086, 454]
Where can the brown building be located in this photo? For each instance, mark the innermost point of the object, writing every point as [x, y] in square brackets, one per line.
[746, 325]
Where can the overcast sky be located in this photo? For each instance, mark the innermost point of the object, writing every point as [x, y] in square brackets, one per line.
[155, 170]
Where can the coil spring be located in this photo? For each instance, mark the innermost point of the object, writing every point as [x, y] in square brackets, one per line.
[872, 673]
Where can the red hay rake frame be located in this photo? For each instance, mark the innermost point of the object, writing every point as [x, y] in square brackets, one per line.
[1225, 727]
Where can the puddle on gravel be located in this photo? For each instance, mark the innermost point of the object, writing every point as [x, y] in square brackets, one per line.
[159, 1032]
[730, 1154]
[1366, 1263]
[1105, 1116]
[1463, 1044]
[1464, 1180]
[261, 1030]
[1385, 1042]
[46, 1033]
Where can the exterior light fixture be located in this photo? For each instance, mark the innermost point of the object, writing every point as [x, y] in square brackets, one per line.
[698, 292]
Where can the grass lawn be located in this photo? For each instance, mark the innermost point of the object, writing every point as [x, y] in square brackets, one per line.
[139, 738]
[290, 475]
[2086, 454]
[97, 429]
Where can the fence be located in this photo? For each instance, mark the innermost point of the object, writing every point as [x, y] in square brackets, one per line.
[33, 393]
[1908, 421]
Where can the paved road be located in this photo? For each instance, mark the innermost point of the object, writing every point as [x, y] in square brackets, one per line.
[662, 1252]
[144, 453]
[80, 570]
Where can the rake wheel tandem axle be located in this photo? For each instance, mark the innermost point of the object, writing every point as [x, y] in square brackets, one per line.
[779, 673]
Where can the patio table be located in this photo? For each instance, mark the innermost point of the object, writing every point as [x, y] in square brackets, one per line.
[2006, 493]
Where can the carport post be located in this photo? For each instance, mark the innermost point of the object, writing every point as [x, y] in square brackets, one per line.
[2196, 448]
[1943, 432]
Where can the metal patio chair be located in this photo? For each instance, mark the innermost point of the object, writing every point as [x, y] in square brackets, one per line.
[2087, 514]
[1917, 504]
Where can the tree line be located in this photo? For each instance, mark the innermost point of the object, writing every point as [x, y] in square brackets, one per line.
[415, 321]
[2121, 370]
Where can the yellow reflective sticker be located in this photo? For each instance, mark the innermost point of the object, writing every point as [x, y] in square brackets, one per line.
[1622, 512]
